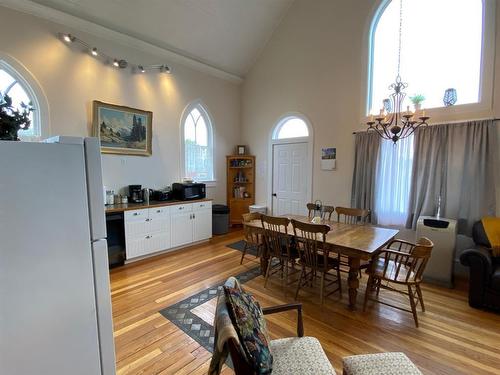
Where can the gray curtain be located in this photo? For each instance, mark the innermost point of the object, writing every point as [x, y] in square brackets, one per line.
[456, 162]
[367, 145]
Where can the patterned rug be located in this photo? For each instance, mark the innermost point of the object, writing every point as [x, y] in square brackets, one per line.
[240, 245]
[181, 313]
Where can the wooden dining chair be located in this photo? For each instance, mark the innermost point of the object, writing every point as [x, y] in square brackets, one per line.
[310, 209]
[253, 236]
[352, 215]
[391, 267]
[326, 211]
[279, 246]
[314, 257]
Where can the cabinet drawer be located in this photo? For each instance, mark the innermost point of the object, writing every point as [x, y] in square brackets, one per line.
[159, 212]
[136, 215]
[181, 208]
[202, 205]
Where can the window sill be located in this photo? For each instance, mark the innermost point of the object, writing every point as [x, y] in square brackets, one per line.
[209, 184]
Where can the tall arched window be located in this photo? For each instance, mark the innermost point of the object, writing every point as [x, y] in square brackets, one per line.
[441, 48]
[197, 137]
[18, 89]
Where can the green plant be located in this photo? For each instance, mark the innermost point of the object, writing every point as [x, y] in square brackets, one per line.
[417, 98]
[13, 119]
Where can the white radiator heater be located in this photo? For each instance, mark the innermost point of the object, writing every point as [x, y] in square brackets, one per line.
[443, 232]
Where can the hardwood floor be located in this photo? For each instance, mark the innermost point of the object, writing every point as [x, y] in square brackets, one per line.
[452, 339]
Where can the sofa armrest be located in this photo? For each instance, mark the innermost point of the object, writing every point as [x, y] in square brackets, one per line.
[478, 259]
[287, 307]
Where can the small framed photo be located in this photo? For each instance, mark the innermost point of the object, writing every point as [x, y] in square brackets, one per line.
[241, 149]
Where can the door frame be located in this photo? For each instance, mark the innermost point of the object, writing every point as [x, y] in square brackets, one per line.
[270, 154]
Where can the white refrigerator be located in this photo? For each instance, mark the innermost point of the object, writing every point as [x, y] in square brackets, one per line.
[55, 302]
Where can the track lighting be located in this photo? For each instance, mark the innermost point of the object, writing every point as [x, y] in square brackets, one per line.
[115, 62]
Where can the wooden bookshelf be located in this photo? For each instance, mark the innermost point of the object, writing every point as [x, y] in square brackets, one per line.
[240, 185]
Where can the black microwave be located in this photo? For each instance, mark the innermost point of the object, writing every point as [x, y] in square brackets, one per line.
[189, 191]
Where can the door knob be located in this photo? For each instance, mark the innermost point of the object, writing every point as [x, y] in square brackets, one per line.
[275, 195]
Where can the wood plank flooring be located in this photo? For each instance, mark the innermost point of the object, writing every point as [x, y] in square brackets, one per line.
[452, 339]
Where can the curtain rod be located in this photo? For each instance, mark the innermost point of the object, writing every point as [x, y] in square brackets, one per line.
[445, 123]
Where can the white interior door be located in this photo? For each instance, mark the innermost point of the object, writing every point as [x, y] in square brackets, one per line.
[290, 179]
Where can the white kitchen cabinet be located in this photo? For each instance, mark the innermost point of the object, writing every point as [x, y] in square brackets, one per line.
[202, 223]
[182, 228]
[156, 229]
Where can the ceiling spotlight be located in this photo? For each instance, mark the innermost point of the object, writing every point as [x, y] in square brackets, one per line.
[94, 52]
[115, 63]
[68, 38]
[141, 68]
[165, 69]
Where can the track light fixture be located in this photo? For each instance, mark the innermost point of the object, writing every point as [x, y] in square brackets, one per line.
[115, 62]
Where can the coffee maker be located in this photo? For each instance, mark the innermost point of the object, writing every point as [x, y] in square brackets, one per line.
[135, 193]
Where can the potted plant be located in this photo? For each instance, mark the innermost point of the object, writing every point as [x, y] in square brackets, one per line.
[417, 100]
[13, 119]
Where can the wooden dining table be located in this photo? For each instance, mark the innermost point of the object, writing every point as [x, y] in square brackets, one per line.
[356, 242]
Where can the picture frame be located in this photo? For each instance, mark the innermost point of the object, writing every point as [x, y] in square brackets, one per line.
[241, 149]
[328, 158]
[122, 130]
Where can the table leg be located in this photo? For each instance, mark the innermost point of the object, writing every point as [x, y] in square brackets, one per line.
[264, 260]
[353, 281]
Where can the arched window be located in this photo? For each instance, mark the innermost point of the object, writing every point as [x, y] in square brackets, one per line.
[17, 88]
[197, 137]
[441, 48]
[291, 127]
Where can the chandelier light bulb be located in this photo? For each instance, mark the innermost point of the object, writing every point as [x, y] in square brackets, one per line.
[115, 63]
[141, 68]
[68, 38]
[94, 52]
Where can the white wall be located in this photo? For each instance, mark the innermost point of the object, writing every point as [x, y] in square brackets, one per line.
[71, 80]
[315, 63]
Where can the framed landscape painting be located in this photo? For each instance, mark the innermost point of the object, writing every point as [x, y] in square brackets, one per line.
[122, 130]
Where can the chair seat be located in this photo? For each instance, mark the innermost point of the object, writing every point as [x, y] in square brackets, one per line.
[299, 355]
[379, 363]
[390, 273]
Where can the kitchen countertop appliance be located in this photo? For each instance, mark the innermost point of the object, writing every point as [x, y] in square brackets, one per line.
[135, 194]
[54, 260]
[186, 191]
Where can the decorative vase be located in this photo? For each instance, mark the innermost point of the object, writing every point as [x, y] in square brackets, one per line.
[450, 97]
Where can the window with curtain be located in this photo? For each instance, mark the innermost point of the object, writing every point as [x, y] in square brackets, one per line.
[441, 41]
[393, 181]
[13, 85]
[198, 145]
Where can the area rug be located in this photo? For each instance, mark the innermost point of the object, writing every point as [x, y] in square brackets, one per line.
[186, 313]
[240, 246]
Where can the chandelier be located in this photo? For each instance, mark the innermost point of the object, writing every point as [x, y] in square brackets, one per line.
[397, 125]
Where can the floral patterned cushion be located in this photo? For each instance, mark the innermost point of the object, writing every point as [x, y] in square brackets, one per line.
[250, 325]
[300, 356]
[379, 363]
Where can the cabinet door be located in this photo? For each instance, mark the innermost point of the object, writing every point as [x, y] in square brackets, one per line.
[202, 228]
[182, 228]
[136, 223]
[157, 242]
[136, 247]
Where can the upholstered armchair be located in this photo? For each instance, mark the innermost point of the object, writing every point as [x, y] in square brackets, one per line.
[484, 271]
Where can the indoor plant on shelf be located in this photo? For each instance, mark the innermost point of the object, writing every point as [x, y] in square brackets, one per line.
[13, 119]
[417, 100]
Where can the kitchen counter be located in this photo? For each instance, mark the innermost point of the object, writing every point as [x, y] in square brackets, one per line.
[139, 206]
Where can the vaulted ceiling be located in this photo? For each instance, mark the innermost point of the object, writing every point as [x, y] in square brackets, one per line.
[226, 34]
